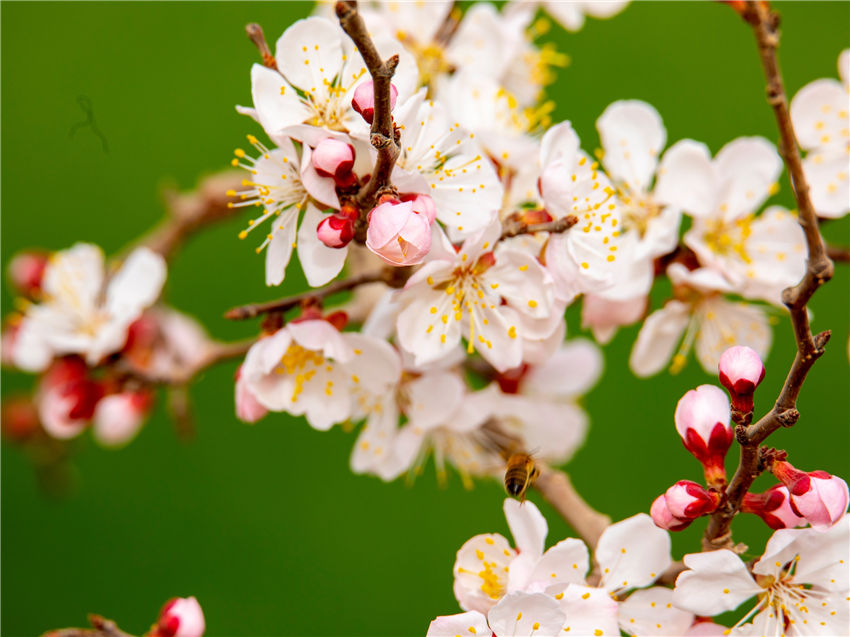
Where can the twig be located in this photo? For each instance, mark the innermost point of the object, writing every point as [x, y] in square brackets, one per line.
[391, 276]
[190, 211]
[838, 253]
[216, 353]
[449, 26]
[819, 270]
[101, 627]
[256, 35]
[557, 490]
[513, 228]
[383, 134]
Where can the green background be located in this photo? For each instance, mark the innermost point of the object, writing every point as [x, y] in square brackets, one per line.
[265, 524]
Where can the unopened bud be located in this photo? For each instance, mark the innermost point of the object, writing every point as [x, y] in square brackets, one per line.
[702, 420]
[423, 205]
[687, 500]
[774, 507]
[118, 417]
[334, 158]
[398, 234]
[364, 100]
[336, 231]
[248, 408]
[180, 617]
[663, 518]
[741, 371]
[19, 418]
[818, 496]
[26, 270]
[67, 398]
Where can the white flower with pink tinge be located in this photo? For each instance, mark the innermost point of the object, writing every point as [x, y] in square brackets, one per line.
[801, 582]
[705, 318]
[759, 255]
[571, 14]
[631, 554]
[582, 259]
[440, 159]
[84, 312]
[497, 298]
[180, 617]
[318, 71]
[309, 368]
[822, 126]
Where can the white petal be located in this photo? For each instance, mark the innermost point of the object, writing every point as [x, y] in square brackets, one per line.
[74, 277]
[426, 326]
[432, 398]
[321, 336]
[309, 53]
[560, 143]
[319, 262]
[716, 581]
[523, 615]
[566, 562]
[373, 451]
[466, 624]
[632, 553]
[590, 611]
[658, 338]
[747, 168]
[651, 612]
[481, 571]
[687, 179]
[527, 525]
[723, 324]
[279, 249]
[827, 174]
[815, 112]
[632, 135]
[30, 351]
[276, 103]
[376, 363]
[322, 189]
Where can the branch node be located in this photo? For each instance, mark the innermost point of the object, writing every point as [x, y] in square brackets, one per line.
[788, 418]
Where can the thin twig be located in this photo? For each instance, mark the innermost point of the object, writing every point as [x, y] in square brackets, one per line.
[449, 26]
[391, 276]
[190, 211]
[215, 353]
[256, 35]
[101, 627]
[513, 228]
[383, 134]
[838, 253]
[819, 270]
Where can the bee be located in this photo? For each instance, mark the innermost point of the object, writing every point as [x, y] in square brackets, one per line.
[520, 473]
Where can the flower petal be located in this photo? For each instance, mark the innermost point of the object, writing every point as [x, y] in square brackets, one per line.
[658, 338]
[632, 553]
[716, 581]
[527, 525]
[319, 262]
[632, 136]
[651, 612]
[687, 179]
[523, 615]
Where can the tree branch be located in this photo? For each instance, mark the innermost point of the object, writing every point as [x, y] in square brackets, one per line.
[515, 227]
[190, 211]
[383, 135]
[216, 352]
[101, 627]
[819, 270]
[557, 489]
[256, 35]
[394, 277]
[838, 253]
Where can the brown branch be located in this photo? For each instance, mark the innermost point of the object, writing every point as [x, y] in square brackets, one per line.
[216, 352]
[449, 26]
[256, 35]
[101, 627]
[383, 134]
[515, 227]
[557, 490]
[190, 211]
[838, 253]
[394, 277]
[819, 270]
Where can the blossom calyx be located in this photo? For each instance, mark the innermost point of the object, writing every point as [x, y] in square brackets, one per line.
[26, 270]
[687, 500]
[336, 231]
[819, 497]
[398, 234]
[741, 371]
[180, 617]
[334, 158]
[364, 100]
[702, 420]
[774, 507]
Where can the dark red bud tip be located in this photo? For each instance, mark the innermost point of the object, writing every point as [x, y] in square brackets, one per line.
[338, 319]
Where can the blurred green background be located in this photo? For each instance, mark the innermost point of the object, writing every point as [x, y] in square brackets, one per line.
[265, 524]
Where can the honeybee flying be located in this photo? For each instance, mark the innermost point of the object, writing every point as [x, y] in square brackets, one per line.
[520, 473]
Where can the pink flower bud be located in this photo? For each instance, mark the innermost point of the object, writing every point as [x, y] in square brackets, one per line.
[364, 100]
[741, 371]
[702, 420]
[26, 270]
[423, 205]
[663, 518]
[398, 234]
[180, 617]
[774, 507]
[687, 500]
[118, 417]
[67, 398]
[336, 231]
[248, 409]
[818, 496]
[334, 158]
